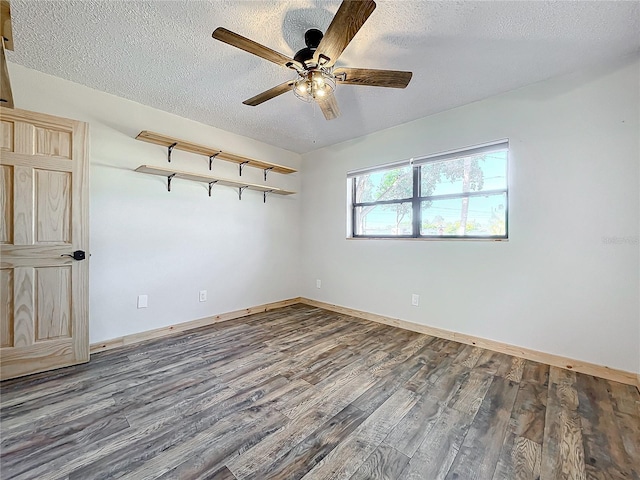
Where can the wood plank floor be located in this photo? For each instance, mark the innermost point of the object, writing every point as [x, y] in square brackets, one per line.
[301, 392]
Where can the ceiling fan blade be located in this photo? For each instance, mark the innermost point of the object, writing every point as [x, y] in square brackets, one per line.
[348, 20]
[269, 94]
[373, 78]
[250, 46]
[329, 106]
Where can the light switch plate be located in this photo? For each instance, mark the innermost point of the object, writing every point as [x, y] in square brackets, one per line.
[143, 301]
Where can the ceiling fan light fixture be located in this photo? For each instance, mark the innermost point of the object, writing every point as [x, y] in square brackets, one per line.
[315, 83]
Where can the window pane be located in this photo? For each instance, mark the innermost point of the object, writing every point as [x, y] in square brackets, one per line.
[389, 219]
[393, 184]
[472, 216]
[467, 174]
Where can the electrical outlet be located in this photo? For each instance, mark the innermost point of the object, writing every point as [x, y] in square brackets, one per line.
[318, 283]
[203, 296]
[143, 301]
[415, 299]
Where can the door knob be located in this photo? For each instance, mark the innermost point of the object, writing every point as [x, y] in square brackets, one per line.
[77, 255]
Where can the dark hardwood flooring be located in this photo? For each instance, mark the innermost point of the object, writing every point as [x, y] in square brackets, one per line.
[301, 392]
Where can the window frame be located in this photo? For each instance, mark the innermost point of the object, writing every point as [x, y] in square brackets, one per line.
[416, 199]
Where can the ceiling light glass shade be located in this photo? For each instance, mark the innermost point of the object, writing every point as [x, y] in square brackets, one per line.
[314, 84]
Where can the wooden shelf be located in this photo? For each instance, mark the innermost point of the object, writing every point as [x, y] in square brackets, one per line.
[211, 180]
[210, 152]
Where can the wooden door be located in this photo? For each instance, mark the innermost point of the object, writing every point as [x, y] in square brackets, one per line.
[44, 209]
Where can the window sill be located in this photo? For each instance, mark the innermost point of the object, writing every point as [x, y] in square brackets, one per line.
[432, 239]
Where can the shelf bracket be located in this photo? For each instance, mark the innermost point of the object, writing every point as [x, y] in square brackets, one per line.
[211, 184]
[240, 190]
[264, 195]
[265, 172]
[169, 178]
[170, 149]
[211, 157]
[241, 166]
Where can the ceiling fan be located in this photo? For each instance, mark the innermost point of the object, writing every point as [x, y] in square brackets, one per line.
[316, 76]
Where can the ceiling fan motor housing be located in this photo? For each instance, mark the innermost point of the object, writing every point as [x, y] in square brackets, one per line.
[312, 38]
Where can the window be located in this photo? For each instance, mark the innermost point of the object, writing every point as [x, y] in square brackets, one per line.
[460, 194]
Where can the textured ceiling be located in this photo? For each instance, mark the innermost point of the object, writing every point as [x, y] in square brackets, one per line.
[160, 53]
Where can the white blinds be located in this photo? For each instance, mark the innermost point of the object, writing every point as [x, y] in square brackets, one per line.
[385, 166]
[463, 152]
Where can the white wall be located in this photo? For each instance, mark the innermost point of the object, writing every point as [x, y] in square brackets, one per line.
[557, 285]
[169, 246]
